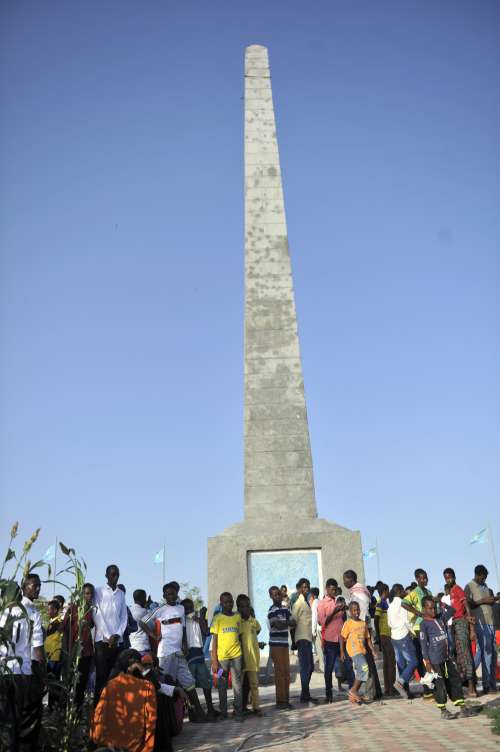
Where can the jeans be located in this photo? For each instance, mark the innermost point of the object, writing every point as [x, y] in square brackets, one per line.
[486, 654]
[235, 665]
[406, 658]
[306, 664]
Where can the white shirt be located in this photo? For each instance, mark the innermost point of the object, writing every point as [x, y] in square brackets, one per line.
[37, 638]
[139, 640]
[360, 595]
[26, 634]
[446, 599]
[314, 614]
[172, 622]
[193, 632]
[110, 615]
[398, 619]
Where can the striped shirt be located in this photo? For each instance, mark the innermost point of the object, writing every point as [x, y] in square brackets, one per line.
[278, 636]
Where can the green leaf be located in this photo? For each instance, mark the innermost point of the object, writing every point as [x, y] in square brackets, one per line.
[10, 555]
[64, 548]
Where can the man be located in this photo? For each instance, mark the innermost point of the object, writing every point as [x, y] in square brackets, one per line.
[413, 603]
[402, 642]
[359, 594]
[316, 629]
[24, 661]
[331, 621]
[226, 655]
[171, 620]
[279, 622]
[110, 620]
[302, 616]
[462, 623]
[481, 601]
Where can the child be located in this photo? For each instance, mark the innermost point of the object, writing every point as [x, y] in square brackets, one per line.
[139, 639]
[53, 647]
[250, 628]
[226, 654]
[402, 640]
[355, 636]
[279, 621]
[434, 644]
[383, 632]
[196, 660]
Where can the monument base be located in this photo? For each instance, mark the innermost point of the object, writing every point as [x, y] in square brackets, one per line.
[249, 557]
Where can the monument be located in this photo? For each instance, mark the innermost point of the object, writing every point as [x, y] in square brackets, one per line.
[281, 537]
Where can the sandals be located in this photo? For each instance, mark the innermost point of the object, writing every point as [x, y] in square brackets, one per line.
[354, 699]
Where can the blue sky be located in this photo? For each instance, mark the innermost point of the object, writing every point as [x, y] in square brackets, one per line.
[121, 299]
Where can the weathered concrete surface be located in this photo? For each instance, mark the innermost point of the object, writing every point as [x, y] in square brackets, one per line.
[280, 503]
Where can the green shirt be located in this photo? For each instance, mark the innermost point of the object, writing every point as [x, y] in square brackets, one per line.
[415, 599]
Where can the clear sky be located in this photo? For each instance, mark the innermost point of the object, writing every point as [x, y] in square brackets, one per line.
[121, 300]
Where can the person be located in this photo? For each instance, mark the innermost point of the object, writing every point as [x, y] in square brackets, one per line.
[196, 660]
[280, 620]
[434, 644]
[249, 630]
[285, 600]
[110, 620]
[481, 601]
[412, 602]
[331, 620]
[355, 637]
[362, 596]
[291, 602]
[343, 669]
[73, 631]
[383, 632]
[445, 598]
[170, 620]
[316, 629]
[461, 626]
[53, 650]
[125, 717]
[139, 639]
[62, 604]
[302, 616]
[226, 654]
[22, 665]
[402, 642]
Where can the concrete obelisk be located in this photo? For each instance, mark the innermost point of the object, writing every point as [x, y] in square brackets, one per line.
[281, 538]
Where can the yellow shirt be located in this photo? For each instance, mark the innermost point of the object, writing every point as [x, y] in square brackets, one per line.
[355, 633]
[53, 641]
[414, 598]
[383, 625]
[250, 628]
[228, 630]
[302, 614]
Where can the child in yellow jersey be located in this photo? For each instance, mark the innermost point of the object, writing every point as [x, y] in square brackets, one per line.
[53, 647]
[226, 655]
[250, 628]
[355, 637]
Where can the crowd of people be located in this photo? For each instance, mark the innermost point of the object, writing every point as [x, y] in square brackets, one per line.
[142, 666]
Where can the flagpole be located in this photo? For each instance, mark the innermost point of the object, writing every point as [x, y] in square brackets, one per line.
[55, 568]
[163, 565]
[378, 559]
[493, 553]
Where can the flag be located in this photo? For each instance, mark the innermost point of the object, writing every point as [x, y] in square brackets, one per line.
[480, 537]
[370, 553]
[158, 557]
[49, 554]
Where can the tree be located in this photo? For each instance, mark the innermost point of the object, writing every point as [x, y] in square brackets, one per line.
[193, 593]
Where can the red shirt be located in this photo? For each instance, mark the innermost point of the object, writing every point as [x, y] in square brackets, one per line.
[331, 632]
[457, 596]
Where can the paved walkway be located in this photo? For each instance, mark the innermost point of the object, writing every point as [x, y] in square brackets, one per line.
[408, 725]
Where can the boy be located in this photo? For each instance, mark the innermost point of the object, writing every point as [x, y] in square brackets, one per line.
[139, 640]
[316, 629]
[53, 648]
[250, 628]
[383, 632]
[462, 625]
[355, 636]
[331, 612]
[226, 654]
[280, 621]
[172, 622]
[481, 601]
[402, 640]
[434, 644]
[196, 659]
[302, 616]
